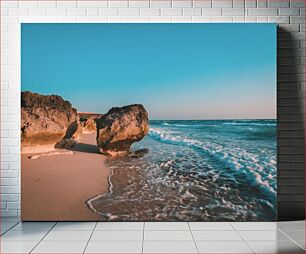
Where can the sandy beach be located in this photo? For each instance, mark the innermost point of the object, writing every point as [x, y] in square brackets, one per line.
[56, 187]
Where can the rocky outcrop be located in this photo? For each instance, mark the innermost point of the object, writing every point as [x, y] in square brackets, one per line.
[119, 128]
[66, 143]
[84, 116]
[88, 122]
[46, 119]
[138, 154]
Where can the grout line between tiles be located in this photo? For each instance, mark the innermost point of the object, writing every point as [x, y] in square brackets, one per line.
[290, 238]
[143, 232]
[193, 238]
[247, 243]
[42, 238]
[273, 224]
[90, 236]
[10, 228]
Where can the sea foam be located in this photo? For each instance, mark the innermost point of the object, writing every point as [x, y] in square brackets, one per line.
[236, 159]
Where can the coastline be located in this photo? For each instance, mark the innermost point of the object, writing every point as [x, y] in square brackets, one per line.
[110, 191]
[57, 186]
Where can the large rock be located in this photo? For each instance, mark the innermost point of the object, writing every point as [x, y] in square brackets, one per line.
[119, 128]
[46, 119]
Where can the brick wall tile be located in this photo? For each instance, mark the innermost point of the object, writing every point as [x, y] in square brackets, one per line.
[92, 4]
[18, 11]
[289, 11]
[118, 4]
[108, 11]
[65, 4]
[233, 11]
[92, 11]
[262, 12]
[192, 11]
[76, 11]
[38, 11]
[297, 20]
[47, 4]
[57, 12]
[222, 3]
[279, 19]
[180, 19]
[171, 11]
[238, 3]
[128, 12]
[222, 19]
[297, 3]
[278, 3]
[150, 12]
[181, 3]
[139, 4]
[9, 4]
[250, 4]
[202, 3]
[262, 3]
[160, 3]
[211, 11]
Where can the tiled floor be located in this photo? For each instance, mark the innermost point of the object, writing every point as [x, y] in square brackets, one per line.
[152, 237]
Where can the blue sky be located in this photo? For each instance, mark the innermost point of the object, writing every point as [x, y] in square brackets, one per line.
[177, 71]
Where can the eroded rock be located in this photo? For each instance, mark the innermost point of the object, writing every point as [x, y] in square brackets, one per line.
[119, 128]
[46, 119]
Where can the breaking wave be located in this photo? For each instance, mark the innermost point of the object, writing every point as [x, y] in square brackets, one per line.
[235, 159]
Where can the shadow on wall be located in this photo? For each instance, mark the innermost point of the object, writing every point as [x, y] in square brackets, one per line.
[290, 132]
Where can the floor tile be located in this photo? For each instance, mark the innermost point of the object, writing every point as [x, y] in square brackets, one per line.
[69, 236]
[223, 247]
[33, 226]
[17, 247]
[297, 236]
[60, 247]
[114, 247]
[216, 236]
[169, 247]
[5, 226]
[106, 236]
[291, 225]
[3, 230]
[119, 226]
[9, 220]
[63, 226]
[273, 235]
[168, 236]
[9, 224]
[253, 226]
[276, 247]
[23, 236]
[166, 226]
[222, 226]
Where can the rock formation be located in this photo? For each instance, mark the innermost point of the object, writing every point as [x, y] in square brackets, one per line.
[46, 119]
[88, 122]
[138, 154]
[119, 128]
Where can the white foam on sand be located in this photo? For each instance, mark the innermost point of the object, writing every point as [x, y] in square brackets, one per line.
[36, 156]
[37, 149]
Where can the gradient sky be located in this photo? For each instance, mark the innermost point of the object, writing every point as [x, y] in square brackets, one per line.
[177, 71]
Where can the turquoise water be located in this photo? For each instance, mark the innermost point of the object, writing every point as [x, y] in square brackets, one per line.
[208, 170]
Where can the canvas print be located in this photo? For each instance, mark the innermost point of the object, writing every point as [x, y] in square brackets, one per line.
[148, 122]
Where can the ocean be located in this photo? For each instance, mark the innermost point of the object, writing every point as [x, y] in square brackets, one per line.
[195, 170]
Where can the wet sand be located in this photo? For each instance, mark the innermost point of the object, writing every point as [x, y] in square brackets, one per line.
[56, 187]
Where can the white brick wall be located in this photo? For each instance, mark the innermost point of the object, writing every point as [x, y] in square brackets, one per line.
[289, 13]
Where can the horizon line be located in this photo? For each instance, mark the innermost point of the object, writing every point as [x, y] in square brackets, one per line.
[213, 119]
